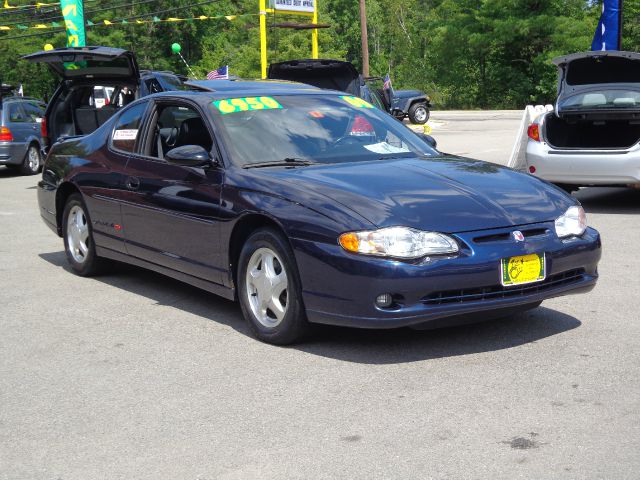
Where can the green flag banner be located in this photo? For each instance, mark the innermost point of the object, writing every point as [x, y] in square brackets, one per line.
[73, 14]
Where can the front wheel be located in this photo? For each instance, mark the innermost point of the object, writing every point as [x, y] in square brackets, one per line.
[78, 238]
[32, 161]
[419, 113]
[269, 289]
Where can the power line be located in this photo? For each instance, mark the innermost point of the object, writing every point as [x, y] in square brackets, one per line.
[172, 9]
[88, 12]
[150, 14]
[21, 9]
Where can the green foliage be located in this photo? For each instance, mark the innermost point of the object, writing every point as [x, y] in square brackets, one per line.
[464, 53]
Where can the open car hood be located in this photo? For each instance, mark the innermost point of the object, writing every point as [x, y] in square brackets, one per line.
[331, 74]
[89, 62]
[599, 85]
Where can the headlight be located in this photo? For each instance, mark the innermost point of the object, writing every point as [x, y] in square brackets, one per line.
[398, 242]
[572, 223]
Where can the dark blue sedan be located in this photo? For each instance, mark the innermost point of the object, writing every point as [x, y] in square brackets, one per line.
[308, 205]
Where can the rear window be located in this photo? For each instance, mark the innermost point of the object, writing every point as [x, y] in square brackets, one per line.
[116, 67]
[16, 113]
[587, 71]
[602, 99]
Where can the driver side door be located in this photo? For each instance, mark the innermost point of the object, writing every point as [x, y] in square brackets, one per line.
[172, 217]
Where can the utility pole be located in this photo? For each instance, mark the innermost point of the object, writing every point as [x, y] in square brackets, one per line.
[365, 38]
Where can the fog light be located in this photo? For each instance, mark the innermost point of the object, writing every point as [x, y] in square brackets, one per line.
[384, 301]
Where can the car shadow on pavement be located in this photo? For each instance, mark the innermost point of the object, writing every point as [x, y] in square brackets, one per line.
[6, 172]
[609, 200]
[405, 345]
[348, 344]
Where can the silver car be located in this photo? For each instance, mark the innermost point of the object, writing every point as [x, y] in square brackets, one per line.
[593, 135]
[20, 133]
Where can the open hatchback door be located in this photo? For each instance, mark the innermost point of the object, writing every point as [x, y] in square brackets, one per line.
[80, 104]
[331, 74]
[600, 85]
[89, 63]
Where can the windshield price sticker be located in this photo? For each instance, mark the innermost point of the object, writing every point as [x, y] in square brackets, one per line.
[233, 105]
[356, 102]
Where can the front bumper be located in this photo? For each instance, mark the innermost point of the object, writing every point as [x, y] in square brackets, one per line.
[340, 288]
[584, 167]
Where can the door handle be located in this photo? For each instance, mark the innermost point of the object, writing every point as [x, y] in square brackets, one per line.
[132, 183]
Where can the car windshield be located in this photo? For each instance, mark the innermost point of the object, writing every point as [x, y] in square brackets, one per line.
[602, 99]
[312, 128]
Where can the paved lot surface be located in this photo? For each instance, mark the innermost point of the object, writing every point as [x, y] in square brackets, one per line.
[133, 375]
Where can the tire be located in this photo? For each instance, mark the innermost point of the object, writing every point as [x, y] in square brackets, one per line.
[32, 161]
[77, 234]
[269, 289]
[419, 113]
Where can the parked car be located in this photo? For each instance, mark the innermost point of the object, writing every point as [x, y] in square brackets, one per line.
[593, 135]
[95, 82]
[20, 133]
[312, 206]
[341, 75]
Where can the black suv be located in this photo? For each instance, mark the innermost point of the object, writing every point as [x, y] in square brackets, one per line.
[341, 75]
[79, 106]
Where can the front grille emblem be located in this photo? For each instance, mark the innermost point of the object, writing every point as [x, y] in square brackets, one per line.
[518, 236]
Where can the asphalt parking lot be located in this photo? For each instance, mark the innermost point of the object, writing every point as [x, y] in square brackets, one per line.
[133, 375]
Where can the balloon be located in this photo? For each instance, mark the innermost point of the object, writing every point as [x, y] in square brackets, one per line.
[176, 48]
[48, 46]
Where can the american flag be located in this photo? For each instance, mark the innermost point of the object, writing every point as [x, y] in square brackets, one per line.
[219, 74]
[387, 82]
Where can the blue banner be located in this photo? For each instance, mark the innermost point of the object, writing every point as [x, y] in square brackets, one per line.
[608, 32]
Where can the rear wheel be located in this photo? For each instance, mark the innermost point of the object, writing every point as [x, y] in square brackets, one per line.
[419, 113]
[32, 161]
[269, 289]
[78, 238]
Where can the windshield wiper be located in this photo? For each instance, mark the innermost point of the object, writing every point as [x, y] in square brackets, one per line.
[285, 162]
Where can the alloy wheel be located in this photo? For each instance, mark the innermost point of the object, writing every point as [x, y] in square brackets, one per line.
[78, 234]
[267, 287]
[420, 114]
[33, 159]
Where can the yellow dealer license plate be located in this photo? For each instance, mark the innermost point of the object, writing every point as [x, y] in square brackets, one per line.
[522, 269]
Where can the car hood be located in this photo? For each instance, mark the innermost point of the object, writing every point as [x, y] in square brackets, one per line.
[89, 62]
[586, 77]
[445, 194]
[408, 93]
[321, 73]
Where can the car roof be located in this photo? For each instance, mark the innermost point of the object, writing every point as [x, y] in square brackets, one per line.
[240, 88]
[18, 98]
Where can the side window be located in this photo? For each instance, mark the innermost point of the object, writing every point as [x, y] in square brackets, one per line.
[33, 111]
[377, 101]
[127, 128]
[16, 113]
[176, 126]
[154, 86]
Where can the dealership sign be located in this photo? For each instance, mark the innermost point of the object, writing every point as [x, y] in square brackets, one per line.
[295, 5]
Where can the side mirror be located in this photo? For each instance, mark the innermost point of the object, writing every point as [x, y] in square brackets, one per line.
[188, 156]
[428, 139]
